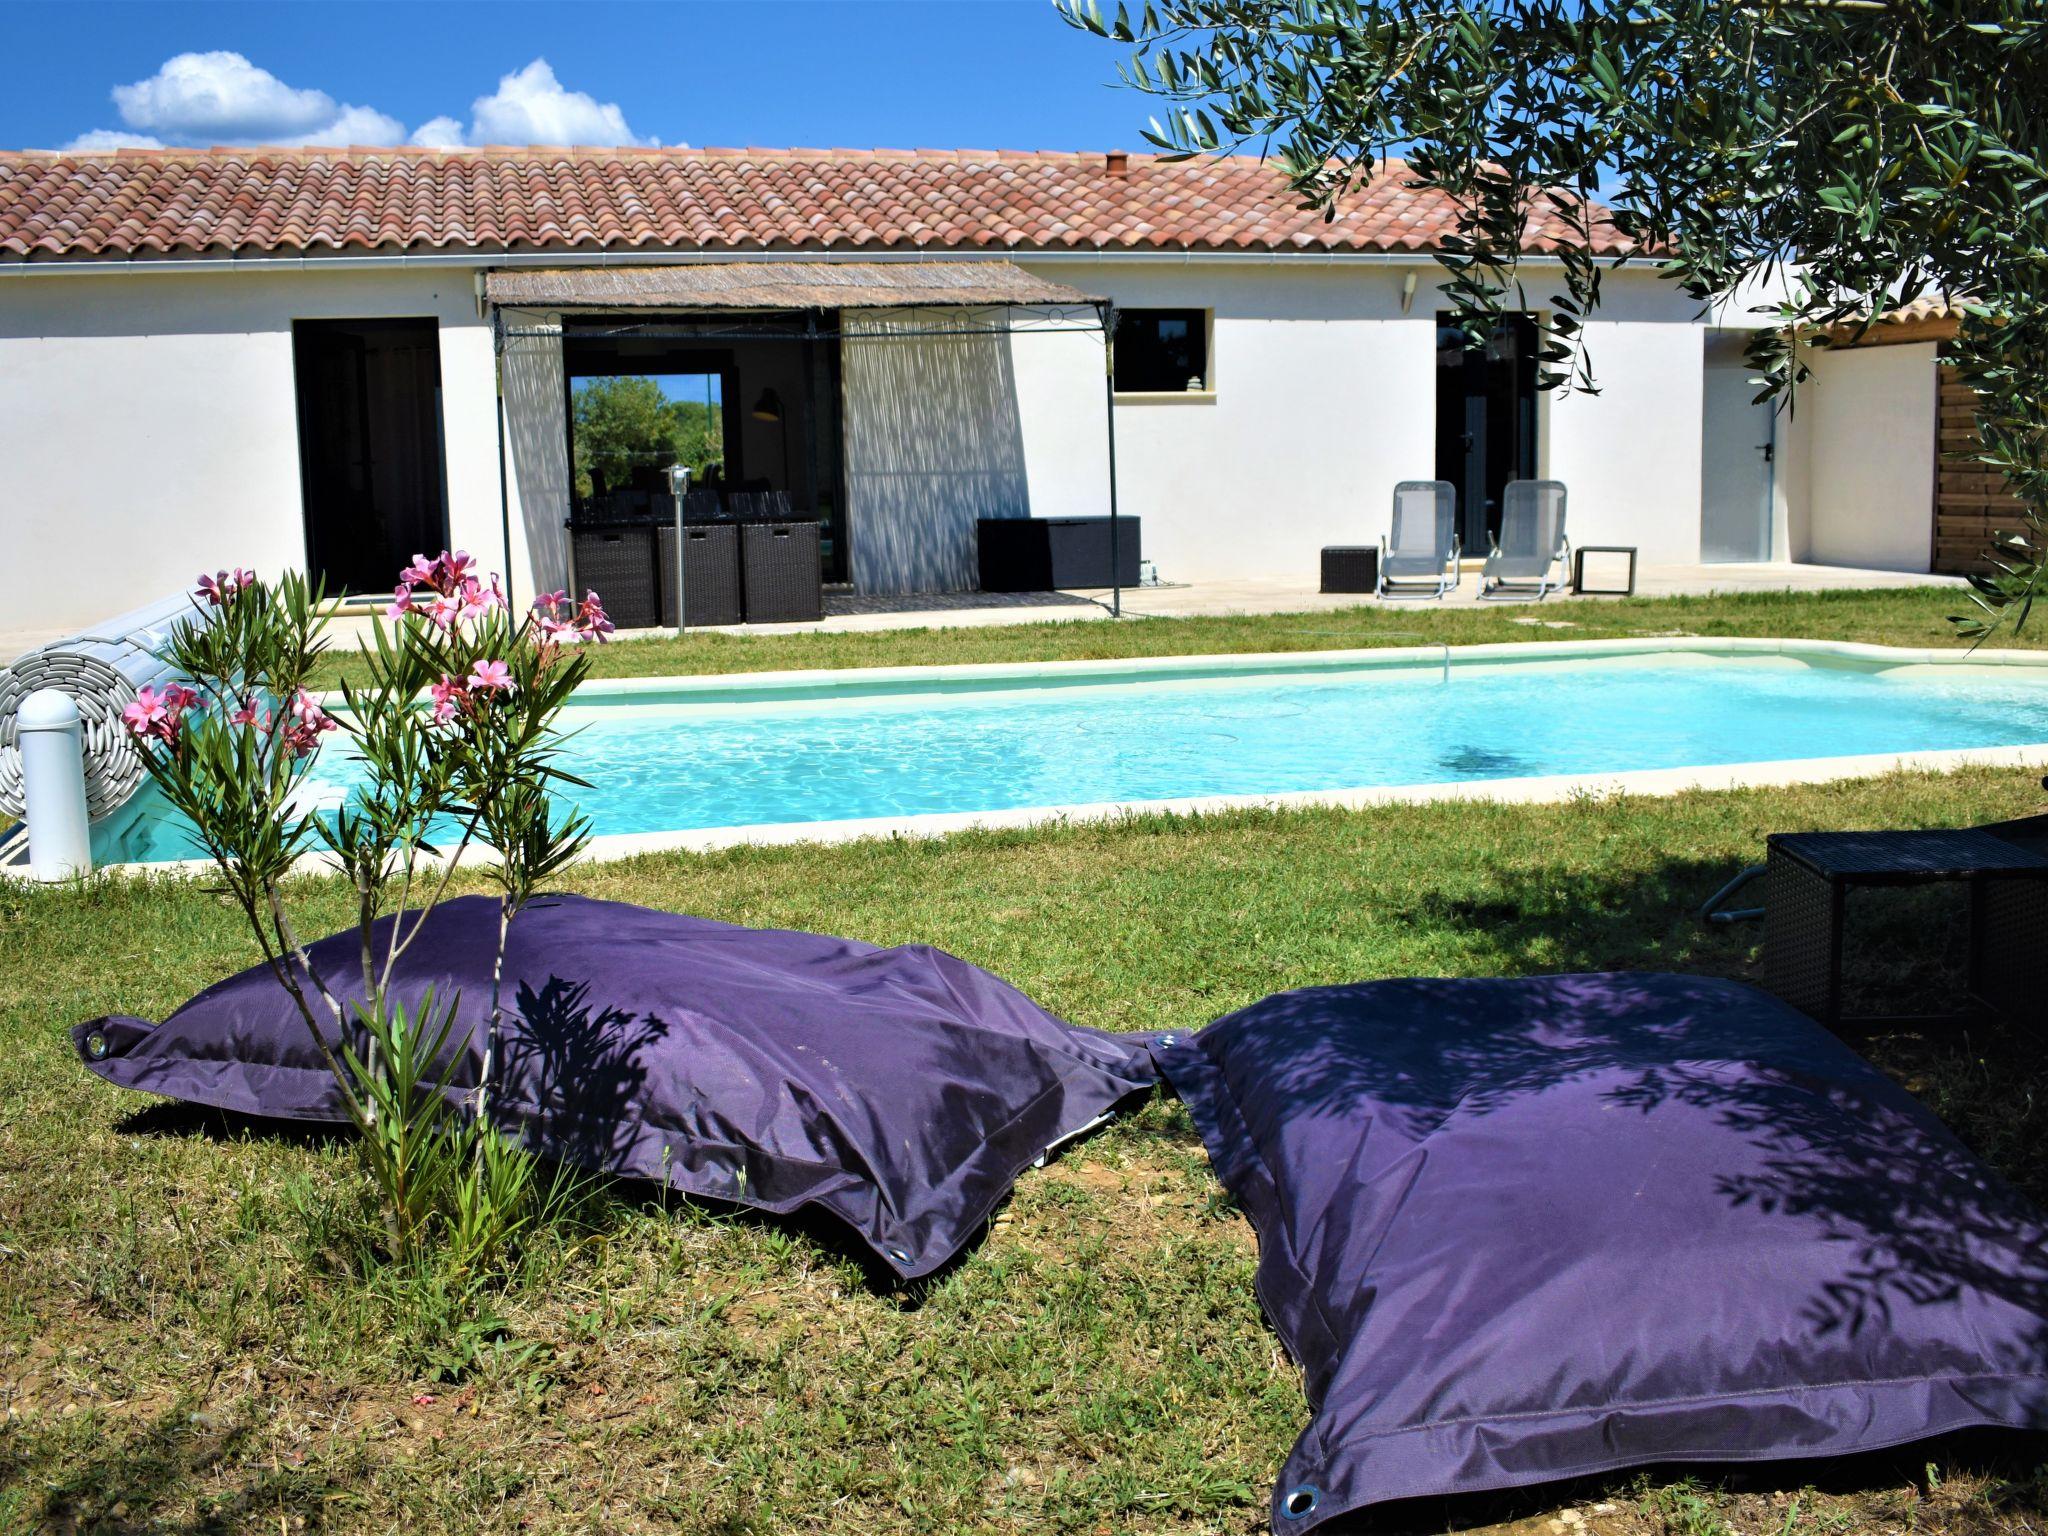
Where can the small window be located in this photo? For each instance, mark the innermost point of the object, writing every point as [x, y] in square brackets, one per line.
[1162, 351]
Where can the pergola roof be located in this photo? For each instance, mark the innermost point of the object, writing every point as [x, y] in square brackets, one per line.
[758, 285]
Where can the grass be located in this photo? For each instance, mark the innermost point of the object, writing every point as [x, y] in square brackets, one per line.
[191, 1337]
[187, 1340]
[1899, 616]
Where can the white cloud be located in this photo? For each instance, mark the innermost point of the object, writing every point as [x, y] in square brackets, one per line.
[438, 133]
[531, 106]
[222, 98]
[352, 125]
[102, 141]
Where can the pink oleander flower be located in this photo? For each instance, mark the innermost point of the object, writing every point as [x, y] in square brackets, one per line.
[448, 698]
[159, 716]
[145, 714]
[220, 588]
[444, 590]
[247, 714]
[304, 723]
[477, 599]
[490, 677]
[591, 619]
[445, 610]
[554, 616]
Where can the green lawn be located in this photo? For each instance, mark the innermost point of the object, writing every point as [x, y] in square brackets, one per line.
[188, 1341]
[1900, 616]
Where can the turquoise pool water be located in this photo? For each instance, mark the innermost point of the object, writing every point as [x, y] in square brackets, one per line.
[665, 761]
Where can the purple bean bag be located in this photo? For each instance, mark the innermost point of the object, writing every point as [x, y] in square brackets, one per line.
[901, 1089]
[1523, 1230]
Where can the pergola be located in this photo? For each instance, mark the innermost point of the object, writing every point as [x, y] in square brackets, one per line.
[727, 299]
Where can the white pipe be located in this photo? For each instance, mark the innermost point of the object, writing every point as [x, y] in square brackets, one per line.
[52, 736]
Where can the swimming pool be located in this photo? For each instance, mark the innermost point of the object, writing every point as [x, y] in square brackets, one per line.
[812, 749]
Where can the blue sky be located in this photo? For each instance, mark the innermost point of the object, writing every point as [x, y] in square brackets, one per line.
[985, 74]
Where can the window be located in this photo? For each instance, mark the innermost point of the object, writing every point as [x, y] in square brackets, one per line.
[1162, 351]
[626, 429]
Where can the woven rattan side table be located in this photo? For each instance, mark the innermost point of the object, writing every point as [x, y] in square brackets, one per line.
[616, 561]
[711, 573]
[1807, 880]
[1351, 568]
[779, 573]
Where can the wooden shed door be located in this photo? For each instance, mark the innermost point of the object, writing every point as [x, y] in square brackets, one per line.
[1971, 504]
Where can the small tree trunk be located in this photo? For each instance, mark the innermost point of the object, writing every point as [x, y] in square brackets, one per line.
[490, 1062]
[288, 940]
[366, 917]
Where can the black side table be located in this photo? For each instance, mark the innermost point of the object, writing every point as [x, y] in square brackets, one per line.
[1579, 587]
[1807, 880]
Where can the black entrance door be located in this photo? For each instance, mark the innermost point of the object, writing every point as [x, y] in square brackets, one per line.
[1485, 419]
[369, 448]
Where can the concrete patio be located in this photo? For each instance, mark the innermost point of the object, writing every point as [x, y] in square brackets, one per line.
[847, 613]
[851, 614]
[1254, 596]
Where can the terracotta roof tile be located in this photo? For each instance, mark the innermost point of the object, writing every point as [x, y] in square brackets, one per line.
[258, 201]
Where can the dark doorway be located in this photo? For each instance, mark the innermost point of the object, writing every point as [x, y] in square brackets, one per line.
[1485, 419]
[370, 461]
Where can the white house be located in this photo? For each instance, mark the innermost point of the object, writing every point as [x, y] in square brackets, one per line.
[335, 358]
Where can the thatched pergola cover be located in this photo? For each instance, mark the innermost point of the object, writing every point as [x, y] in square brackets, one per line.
[778, 285]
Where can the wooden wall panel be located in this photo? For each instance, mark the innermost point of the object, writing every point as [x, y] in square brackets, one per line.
[1971, 505]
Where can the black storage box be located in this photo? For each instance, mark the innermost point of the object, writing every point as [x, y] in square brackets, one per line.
[711, 573]
[1351, 567]
[781, 578]
[1048, 554]
[617, 563]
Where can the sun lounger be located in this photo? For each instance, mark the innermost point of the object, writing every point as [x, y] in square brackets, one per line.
[1420, 557]
[1530, 555]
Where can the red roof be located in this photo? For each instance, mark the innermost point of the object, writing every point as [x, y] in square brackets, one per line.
[256, 201]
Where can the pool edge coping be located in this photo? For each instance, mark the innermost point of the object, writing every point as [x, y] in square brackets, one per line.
[1544, 789]
[856, 679]
[1530, 790]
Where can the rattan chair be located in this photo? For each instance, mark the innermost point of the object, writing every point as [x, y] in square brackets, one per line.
[1419, 558]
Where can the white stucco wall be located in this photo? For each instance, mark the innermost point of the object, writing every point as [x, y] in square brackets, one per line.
[1325, 397]
[1867, 433]
[148, 421]
[1630, 455]
[148, 427]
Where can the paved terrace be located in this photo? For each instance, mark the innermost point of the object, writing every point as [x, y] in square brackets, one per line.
[846, 613]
